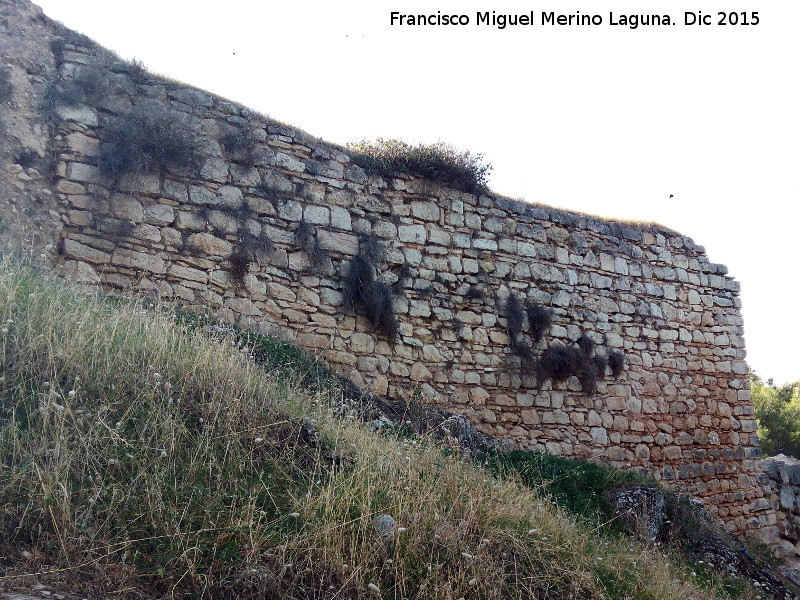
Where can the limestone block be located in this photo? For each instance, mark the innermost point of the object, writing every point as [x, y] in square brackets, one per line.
[175, 191]
[127, 207]
[289, 162]
[81, 114]
[530, 416]
[313, 340]
[210, 245]
[419, 372]
[317, 215]
[345, 243]
[415, 234]
[83, 172]
[138, 260]
[340, 218]
[484, 244]
[81, 272]
[426, 211]
[147, 233]
[70, 187]
[81, 144]
[190, 221]
[215, 169]
[159, 214]
[599, 435]
[140, 183]
[187, 273]
[84, 253]
[223, 222]
[280, 292]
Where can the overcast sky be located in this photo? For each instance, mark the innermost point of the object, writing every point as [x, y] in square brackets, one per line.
[602, 119]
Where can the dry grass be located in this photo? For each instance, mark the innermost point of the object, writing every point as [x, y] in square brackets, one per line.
[141, 455]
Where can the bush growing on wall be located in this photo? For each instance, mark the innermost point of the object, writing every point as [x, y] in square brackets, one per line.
[150, 137]
[440, 162]
[371, 298]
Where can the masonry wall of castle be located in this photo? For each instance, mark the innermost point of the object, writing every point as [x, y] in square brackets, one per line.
[225, 238]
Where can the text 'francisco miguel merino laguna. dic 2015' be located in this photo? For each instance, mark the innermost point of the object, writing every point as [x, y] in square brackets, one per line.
[501, 21]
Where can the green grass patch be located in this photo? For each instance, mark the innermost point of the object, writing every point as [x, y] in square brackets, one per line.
[576, 486]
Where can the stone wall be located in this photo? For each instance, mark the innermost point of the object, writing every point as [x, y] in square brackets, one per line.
[782, 477]
[263, 231]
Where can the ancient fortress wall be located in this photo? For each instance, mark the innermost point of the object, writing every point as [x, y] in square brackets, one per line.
[263, 233]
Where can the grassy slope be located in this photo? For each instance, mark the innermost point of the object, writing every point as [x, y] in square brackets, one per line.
[136, 453]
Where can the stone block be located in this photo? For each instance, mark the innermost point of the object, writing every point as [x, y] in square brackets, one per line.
[159, 214]
[210, 245]
[81, 252]
[337, 241]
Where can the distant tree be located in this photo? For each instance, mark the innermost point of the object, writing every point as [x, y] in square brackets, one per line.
[778, 414]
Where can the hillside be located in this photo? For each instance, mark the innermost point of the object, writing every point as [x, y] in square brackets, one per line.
[144, 457]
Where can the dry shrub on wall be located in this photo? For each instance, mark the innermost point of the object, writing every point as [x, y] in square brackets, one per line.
[240, 265]
[88, 85]
[439, 162]
[6, 89]
[515, 320]
[241, 146]
[616, 361]
[151, 137]
[514, 316]
[557, 363]
[306, 238]
[369, 297]
[539, 320]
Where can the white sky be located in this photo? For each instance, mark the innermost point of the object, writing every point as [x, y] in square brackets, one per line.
[605, 120]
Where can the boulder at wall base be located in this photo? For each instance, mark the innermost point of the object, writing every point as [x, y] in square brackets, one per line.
[654, 515]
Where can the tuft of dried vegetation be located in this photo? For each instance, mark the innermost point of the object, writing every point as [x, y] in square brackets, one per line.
[151, 137]
[539, 320]
[6, 87]
[370, 298]
[306, 237]
[87, 86]
[240, 265]
[241, 145]
[439, 162]
[616, 362]
[161, 460]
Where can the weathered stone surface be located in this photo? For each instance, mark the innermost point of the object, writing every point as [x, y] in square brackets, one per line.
[339, 242]
[83, 115]
[210, 245]
[85, 253]
[159, 214]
